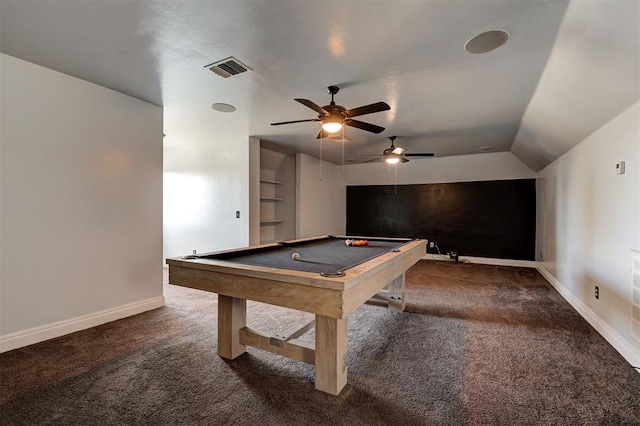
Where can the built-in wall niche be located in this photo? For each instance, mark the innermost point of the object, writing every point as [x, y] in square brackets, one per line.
[277, 196]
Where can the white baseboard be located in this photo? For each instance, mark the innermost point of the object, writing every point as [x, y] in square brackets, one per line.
[610, 335]
[50, 331]
[485, 260]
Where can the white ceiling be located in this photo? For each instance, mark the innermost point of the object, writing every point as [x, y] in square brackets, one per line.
[566, 70]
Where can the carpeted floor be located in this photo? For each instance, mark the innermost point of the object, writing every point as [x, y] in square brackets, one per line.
[478, 345]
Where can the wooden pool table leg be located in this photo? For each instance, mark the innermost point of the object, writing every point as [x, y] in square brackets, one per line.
[396, 294]
[232, 316]
[331, 354]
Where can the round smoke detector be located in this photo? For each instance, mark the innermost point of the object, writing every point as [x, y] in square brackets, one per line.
[223, 107]
[486, 42]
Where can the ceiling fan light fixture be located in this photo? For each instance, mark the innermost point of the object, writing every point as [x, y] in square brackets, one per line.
[392, 159]
[332, 124]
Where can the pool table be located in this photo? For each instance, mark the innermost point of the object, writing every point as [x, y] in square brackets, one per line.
[328, 278]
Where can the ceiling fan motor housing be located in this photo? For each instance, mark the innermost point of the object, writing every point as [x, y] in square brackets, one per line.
[334, 111]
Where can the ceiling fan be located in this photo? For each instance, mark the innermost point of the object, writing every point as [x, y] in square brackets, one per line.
[333, 116]
[395, 155]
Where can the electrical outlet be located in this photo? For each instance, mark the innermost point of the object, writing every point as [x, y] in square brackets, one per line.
[540, 255]
[431, 244]
[597, 294]
[237, 214]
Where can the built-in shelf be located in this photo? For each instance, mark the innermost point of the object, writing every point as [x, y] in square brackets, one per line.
[275, 182]
[276, 196]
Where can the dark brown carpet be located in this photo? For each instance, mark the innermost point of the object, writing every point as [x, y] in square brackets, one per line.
[478, 345]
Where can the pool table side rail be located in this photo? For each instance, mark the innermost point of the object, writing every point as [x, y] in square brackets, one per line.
[317, 300]
[311, 279]
[359, 237]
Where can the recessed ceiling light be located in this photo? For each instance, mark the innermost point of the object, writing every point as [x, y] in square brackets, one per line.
[223, 107]
[486, 148]
[486, 42]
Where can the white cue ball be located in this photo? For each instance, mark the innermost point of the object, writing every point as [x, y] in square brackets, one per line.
[295, 256]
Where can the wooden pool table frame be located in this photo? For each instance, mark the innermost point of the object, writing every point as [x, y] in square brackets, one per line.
[331, 299]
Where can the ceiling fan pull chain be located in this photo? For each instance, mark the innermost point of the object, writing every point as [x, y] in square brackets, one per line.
[343, 151]
[395, 181]
[321, 140]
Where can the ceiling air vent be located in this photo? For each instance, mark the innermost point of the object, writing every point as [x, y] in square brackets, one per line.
[228, 67]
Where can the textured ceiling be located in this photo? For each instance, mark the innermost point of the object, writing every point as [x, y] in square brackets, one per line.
[566, 70]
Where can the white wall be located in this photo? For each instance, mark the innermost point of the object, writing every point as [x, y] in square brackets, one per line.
[254, 191]
[204, 185]
[81, 194]
[460, 168]
[588, 223]
[321, 198]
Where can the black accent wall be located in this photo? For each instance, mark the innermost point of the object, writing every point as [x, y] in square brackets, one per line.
[485, 219]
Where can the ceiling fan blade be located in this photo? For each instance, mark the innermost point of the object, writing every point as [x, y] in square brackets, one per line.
[295, 121]
[424, 154]
[375, 160]
[313, 106]
[368, 109]
[403, 160]
[364, 126]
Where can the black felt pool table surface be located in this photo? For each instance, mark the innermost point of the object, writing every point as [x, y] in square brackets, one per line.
[325, 255]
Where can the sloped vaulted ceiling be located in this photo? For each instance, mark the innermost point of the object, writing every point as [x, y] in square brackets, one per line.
[567, 68]
[593, 74]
